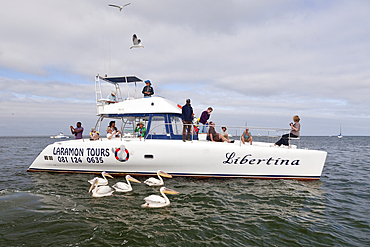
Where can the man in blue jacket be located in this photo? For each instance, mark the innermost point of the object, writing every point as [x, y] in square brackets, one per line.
[148, 89]
[187, 117]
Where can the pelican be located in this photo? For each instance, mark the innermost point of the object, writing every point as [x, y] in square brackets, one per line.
[101, 181]
[157, 182]
[155, 201]
[123, 187]
[136, 42]
[117, 6]
[100, 191]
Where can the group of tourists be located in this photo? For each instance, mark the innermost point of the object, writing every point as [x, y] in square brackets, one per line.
[208, 128]
[187, 116]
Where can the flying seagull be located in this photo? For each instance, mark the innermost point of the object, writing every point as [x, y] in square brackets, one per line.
[136, 42]
[117, 6]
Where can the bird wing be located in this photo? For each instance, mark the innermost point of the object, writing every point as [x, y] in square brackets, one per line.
[126, 4]
[101, 181]
[134, 40]
[121, 186]
[152, 181]
[92, 180]
[104, 190]
[154, 199]
[113, 5]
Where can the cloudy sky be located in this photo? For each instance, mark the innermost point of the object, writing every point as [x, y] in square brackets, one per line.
[260, 62]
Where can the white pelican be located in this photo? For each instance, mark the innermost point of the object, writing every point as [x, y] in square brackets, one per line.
[155, 201]
[101, 181]
[157, 182]
[100, 191]
[123, 187]
[117, 6]
[136, 42]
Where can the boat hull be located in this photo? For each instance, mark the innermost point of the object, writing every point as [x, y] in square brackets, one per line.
[197, 158]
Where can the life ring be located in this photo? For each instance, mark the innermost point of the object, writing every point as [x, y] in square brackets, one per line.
[121, 154]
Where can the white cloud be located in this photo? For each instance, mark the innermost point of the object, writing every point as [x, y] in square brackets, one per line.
[259, 60]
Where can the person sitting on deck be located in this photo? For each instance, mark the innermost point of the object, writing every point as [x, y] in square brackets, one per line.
[216, 137]
[224, 132]
[294, 132]
[112, 98]
[94, 135]
[112, 125]
[141, 130]
[247, 136]
[110, 133]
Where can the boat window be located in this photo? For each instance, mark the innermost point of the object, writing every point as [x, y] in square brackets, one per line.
[176, 125]
[158, 125]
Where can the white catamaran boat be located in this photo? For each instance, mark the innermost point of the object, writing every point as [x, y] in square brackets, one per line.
[162, 147]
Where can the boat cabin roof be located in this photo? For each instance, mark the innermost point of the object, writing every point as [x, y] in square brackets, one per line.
[121, 79]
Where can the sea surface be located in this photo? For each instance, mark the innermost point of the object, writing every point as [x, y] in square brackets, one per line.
[50, 209]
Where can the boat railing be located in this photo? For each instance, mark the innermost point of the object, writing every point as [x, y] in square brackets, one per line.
[267, 135]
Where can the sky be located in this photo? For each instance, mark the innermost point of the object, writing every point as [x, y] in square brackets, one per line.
[255, 62]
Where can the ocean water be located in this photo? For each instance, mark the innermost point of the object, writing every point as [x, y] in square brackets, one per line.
[50, 209]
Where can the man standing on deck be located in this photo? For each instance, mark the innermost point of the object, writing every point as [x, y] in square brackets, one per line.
[187, 117]
[77, 131]
[148, 89]
[204, 120]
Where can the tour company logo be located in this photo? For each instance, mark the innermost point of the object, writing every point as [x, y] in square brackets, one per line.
[233, 159]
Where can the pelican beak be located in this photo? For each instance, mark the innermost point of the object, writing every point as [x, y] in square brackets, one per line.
[169, 191]
[92, 185]
[108, 175]
[133, 180]
[164, 174]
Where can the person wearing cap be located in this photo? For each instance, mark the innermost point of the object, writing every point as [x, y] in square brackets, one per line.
[112, 98]
[140, 129]
[148, 89]
[216, 137]
[247, 136]
[187, 117]
[77, 131]
[94, 135]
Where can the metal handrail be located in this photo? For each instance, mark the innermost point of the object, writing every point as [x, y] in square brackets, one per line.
[237, 128]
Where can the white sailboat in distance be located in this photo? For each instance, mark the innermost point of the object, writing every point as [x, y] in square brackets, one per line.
[340, 129]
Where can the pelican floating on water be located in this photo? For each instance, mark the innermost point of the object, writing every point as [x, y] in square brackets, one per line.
[157, 182]
[136, 42]
[100, 191]
[155, 201]
[125, 187]
[101, 181]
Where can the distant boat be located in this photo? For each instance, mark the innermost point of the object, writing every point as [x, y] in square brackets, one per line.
[340, 129]
[59, 136]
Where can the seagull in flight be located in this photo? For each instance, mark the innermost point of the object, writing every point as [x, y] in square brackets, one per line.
[136, 42]
[117, 6]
